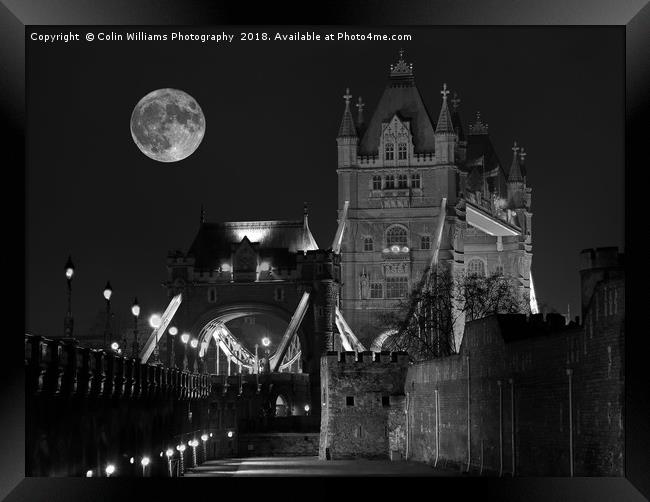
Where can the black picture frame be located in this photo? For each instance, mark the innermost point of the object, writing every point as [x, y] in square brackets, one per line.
[633, 16]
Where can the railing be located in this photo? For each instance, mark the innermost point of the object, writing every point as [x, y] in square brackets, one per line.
[60, 367]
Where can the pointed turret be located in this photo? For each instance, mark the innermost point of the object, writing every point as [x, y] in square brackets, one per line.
[515, 181]
[445, 135]
[308, 241]
[347, 139]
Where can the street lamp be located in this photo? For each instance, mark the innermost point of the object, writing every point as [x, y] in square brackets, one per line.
[68, 322]
[307, 408]
[193, 443]
[155, 321]
[267, 364]
[185, 337]
[171, 332]
[110, 469]
[170, 454]
[135, 310]
[115, 346]
[204, 438]
[144, 462]
[108, 292]
[194, 343]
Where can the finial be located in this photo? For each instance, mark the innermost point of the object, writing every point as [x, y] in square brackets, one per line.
[515, 148]
[304, 209]
[401, 68]
[455, 101]
[444, 92]
[401, 54]
[360, 104]
[347, 96]
[522, 154]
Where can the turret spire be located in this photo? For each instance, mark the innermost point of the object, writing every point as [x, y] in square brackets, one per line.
[347, 128]
[514, 176]
[444, 124]
[401, 68]
[478, 127]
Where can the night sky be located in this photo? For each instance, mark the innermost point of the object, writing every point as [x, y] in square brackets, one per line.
[272, 112]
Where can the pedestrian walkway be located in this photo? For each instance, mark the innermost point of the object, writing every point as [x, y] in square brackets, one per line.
[311, 466]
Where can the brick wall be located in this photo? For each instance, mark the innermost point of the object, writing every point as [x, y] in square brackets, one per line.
[279, 444]
[362, 395]
[562, 386]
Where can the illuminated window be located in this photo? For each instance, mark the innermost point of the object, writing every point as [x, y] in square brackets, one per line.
[376, 290]
[376, 182]
[401, 151]
[402, 181]
[368, 244]
[425, 242]
[476, 267]
[396, 236]
[397, 287]
[390, 181]
[415, 181]
[389, 151]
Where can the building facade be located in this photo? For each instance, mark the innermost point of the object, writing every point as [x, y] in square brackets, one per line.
[394, 170]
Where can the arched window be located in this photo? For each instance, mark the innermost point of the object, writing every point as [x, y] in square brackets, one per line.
[425, 242]
[389, 151]
[390, 181]
[281, 407]
[476, 267]
[415, 181]
[401, 151]
[376, 182]
[396, 236]
[402, 181]
[368, 244]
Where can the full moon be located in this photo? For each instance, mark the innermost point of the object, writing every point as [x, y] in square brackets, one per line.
[167, 125]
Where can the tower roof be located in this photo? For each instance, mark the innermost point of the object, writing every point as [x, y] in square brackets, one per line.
[347, 129]
[514, 175]
[444, 124]
[402, 98]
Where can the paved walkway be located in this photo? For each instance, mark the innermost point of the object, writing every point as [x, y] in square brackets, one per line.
[311, 466]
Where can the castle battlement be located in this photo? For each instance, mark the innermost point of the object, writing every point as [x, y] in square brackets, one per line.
[603, 257]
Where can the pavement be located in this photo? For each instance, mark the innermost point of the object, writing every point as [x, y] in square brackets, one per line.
[311, 466]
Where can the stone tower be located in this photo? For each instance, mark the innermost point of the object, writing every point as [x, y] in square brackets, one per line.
[394, 170]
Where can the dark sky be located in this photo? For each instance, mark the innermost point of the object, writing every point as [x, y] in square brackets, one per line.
[272, 111]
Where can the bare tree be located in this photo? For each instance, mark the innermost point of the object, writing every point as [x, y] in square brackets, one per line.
[423, 324]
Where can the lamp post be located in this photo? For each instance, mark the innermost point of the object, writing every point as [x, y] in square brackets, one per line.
[110, 469]
[135, 310]
[144, 462]
[181, 449]
[185, 337]
[171, 332]
[194, 343]
[155, 321]
[170, 454]
[108, 292]
[68, 322]
[267, 364]
[204, 438]
[193, 443]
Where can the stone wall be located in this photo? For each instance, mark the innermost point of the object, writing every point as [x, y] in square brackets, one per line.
[279, 444]
[362, 402]
[561, 386]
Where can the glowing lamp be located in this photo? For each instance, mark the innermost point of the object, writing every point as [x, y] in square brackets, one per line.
[185, 337]
[204, 437]
[69, 268]
[210, 434]
[230, 434]
[89, 474]
[169, 453]
[135, 308]
[131, 460]
[155, 321]
[108, 291]
[307, 408]
[264, 266]
[145, 461]
[173, 331]
[194, 343]
[265, 341]
[110, 469]
[115, 346]
[395, 249]
[405, 249]
[225, 267]
[181, 448]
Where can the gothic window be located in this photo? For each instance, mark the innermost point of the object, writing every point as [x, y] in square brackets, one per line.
[389, 151]
[278, 294]
[376, 290]
[476, 267]
[425, 242]
[390, 181]
[396, 236]
[402, 181]
[212, 295]
[415, 181]
[367, 244]
[401, 151]
[376, 182]
[498, 270]
[396, 287]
